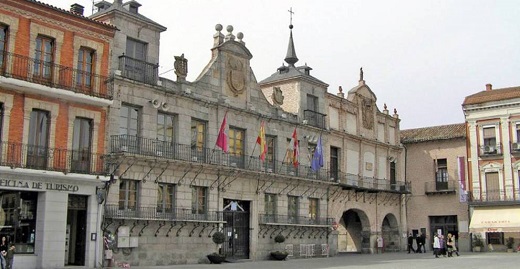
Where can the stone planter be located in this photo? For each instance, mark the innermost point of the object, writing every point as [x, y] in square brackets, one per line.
[279, 255]
[216, 258]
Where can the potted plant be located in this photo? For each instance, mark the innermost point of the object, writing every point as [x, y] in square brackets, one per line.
[279, 255]
[509, 243]
[216, 257]
[477, 243]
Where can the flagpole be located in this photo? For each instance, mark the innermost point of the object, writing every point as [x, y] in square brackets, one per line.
[251, 156]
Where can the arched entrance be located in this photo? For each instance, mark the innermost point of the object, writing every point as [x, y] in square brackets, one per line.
[390, 233]
[353, 231]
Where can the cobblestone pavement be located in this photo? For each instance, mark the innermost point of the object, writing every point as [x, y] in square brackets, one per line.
[387, 261]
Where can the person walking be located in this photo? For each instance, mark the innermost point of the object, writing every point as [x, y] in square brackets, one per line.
[3, 252]
[423, 241]
[449, 244]
[410, 244]
[9, 258]
[455, 249]
[436, 245]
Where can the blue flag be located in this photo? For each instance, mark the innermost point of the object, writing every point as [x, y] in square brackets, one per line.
[317, 158]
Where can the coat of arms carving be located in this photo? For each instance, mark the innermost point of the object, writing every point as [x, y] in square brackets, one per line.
[277, 96]
[236, 78]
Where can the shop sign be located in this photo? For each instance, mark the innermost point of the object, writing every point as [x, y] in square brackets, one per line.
[24, 184]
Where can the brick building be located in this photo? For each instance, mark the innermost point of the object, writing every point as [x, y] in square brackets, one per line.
[493, 126]
[54, 95]
[435, 166]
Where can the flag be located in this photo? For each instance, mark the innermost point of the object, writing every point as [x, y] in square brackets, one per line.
[222, 137]
[294, 147]
[317, 158]
[260, 140]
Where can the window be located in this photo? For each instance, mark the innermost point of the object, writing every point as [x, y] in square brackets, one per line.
[312, 103]
[393, 180]
[1, 124]
[165, 129]
[292, 210]
[44, 58]
[271, 154]
[270, 207]
[81, 145]
[492, 187]
[198, 139]
[165, 198]
[334, 163]
[19, 210]
[517, 132]
[37, 148]
[128, 128]
[495, 238]
[136, 49]
[441, 176]
[199, 200]
[3, 47]
[85, 68]
[236, 146]
[128, 193]
[314, 209]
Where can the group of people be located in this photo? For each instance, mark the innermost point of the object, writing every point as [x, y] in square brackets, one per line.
[6, 254]
[444, 246]
[421, 242]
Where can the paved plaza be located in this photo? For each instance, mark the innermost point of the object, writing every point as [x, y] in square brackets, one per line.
[387, 260]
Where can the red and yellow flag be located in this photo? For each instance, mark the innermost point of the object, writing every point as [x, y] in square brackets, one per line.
[260, 140]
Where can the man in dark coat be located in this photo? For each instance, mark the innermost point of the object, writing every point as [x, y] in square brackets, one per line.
[410, 244]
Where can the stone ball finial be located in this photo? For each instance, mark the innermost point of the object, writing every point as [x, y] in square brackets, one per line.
[240, 35]
[291, 26]
[229, 28]
[218, 27]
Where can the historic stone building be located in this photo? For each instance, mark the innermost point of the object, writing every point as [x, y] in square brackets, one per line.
[436, 168]
[251, 159]
[493, 139]
[54, 95]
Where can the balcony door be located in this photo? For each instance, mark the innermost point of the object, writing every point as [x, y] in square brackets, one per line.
[441, 176]
[81, 145]
[38, 144]
[128, 129]
[44, 57]
[492, 187]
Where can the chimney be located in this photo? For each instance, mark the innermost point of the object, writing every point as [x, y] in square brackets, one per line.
[77, 9]
[488, 87]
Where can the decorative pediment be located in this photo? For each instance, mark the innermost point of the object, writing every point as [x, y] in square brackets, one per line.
[492, 167]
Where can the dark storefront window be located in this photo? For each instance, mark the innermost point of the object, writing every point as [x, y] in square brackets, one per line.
[18, 219]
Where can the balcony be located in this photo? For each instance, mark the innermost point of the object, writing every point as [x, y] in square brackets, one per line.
[55, 76]
[17, 155]
[434, 187]
[152, 213]
[490, 150]
[498, 197]
[314, 118]
[371, 184]
[138, 70]
[294, 220]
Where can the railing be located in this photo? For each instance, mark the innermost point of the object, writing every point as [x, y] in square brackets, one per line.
[314, 118]
[17, 155]
[135, 145]
[54, 75]
[153, 213]
[441, 187]
[138, 70]
[498, 196]
[490, 150]
[300, 220]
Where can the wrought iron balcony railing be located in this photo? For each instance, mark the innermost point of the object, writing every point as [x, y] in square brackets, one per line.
[496, 196]
[299, 220]
[55, 75]
[434, 187]
[490, 150]
[135, 145]
[154, 213]
[138, 70]
[17, 155]
[314, 118]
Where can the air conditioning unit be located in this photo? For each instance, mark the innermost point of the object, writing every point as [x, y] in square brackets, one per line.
[158, 153]
[489, 149]
[194, 159]
[233, 164]
[269, 170]
[516, 146]
[123, 149]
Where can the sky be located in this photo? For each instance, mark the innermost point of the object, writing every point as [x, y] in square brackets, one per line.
[419, 57]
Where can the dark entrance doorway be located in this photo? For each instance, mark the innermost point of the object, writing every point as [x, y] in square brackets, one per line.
[76, 230]
[443, 225]
[236, 229]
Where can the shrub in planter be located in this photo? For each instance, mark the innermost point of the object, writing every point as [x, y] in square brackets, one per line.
[218, 238]
[510, 242]
[279, 254]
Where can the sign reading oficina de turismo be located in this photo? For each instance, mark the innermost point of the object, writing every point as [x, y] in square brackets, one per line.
[24, 184]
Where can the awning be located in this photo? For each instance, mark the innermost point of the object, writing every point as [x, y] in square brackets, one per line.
[489, 220]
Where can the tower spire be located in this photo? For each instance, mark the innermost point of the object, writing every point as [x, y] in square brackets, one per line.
[291, 58]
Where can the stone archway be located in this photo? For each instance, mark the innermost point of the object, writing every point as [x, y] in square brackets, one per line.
[390, 233]
[353, 231]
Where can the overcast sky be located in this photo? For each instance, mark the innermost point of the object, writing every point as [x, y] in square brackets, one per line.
[420, 57]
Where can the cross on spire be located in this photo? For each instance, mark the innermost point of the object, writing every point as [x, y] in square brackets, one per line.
[291, 13]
